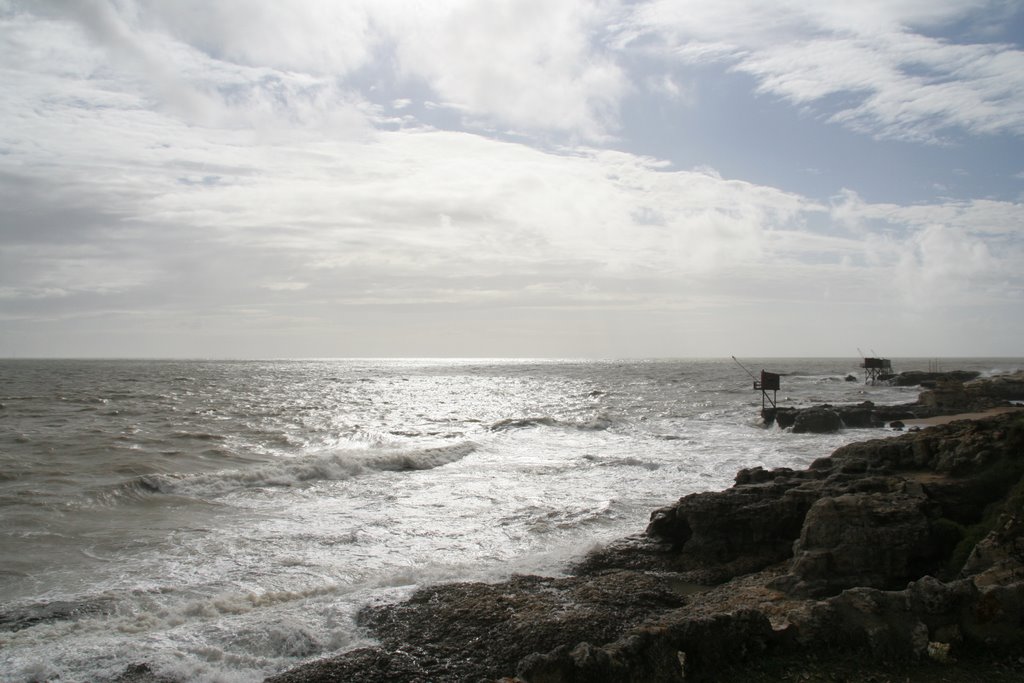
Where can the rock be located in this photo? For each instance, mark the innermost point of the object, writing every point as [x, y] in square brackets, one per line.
[876, 540]
[784, 417]
[888, 624]
[736, 531]
[817, 420]
[440, 633]
[929, 379]
[948, 395]
[998, 559]
[1002, 387]
[676, 647]
[861, 415]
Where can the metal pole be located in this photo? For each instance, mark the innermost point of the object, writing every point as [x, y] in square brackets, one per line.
[752, 376]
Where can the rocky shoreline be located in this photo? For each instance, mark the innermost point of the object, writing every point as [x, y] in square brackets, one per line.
[946, 393]
[905, 551]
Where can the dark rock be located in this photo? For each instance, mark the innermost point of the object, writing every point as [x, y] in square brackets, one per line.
[876, 540]
[715, 537]
[998, 559]
[913, 378]
[861, 415]
[784, 417]
[676, 647]
[888, 624]
[441, 632]
[817, 420]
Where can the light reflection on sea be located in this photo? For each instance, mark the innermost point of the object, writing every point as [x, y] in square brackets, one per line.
[225, 520]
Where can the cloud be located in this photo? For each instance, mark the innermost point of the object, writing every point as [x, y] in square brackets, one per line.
[863, 65]
[942, 265]
[286, 286]
[170, 165]
[316, 37]
[528, 65]
[941, 254]
[534, 67]
[543, 68]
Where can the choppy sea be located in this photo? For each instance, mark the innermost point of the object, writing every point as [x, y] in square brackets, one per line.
[225, 520]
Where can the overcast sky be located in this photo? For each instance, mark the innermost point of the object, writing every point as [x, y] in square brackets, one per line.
[567, 178]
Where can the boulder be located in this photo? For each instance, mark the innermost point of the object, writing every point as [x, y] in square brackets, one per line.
[817, 420]
[876, 540]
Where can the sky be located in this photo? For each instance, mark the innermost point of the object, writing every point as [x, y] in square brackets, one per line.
[511, 178]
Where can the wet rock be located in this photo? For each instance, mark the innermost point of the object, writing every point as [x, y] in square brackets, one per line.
[817, 420]
[478, 631]
[913, 378]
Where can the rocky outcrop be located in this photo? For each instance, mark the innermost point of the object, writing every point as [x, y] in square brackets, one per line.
[949, 395]
[907, 549]
[877, 540]
[914, 378]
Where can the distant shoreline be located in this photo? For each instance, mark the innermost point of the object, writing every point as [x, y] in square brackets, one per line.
[945, 419]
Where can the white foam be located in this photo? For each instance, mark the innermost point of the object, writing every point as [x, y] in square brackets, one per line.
[292, 471]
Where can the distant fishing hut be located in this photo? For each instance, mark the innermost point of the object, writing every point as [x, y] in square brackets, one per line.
[876, 369]
[769, 382]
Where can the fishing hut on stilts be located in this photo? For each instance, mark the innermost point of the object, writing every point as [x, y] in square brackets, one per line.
[768, 381]
[876, 369]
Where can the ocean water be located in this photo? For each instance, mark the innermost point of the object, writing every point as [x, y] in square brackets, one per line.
[225, 520]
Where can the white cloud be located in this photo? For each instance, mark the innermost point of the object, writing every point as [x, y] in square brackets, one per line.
[940, 254]
[162, 162]
[531, 65]
[903, 84]
[317, 37]
[941, 265]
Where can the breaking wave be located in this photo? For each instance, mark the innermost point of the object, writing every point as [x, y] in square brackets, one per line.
[597, 423]
[333, 466]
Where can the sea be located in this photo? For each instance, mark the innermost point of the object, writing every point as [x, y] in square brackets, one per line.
[222, 521]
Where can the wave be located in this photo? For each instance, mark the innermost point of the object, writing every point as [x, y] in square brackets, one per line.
[626, 461]
[334, 466]
[19, 618]
[597, 423]
[139, 614]
[198, 436]
[547, 519]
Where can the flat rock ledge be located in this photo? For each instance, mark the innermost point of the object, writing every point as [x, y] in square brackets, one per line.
[948, 393]
[898, 554]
